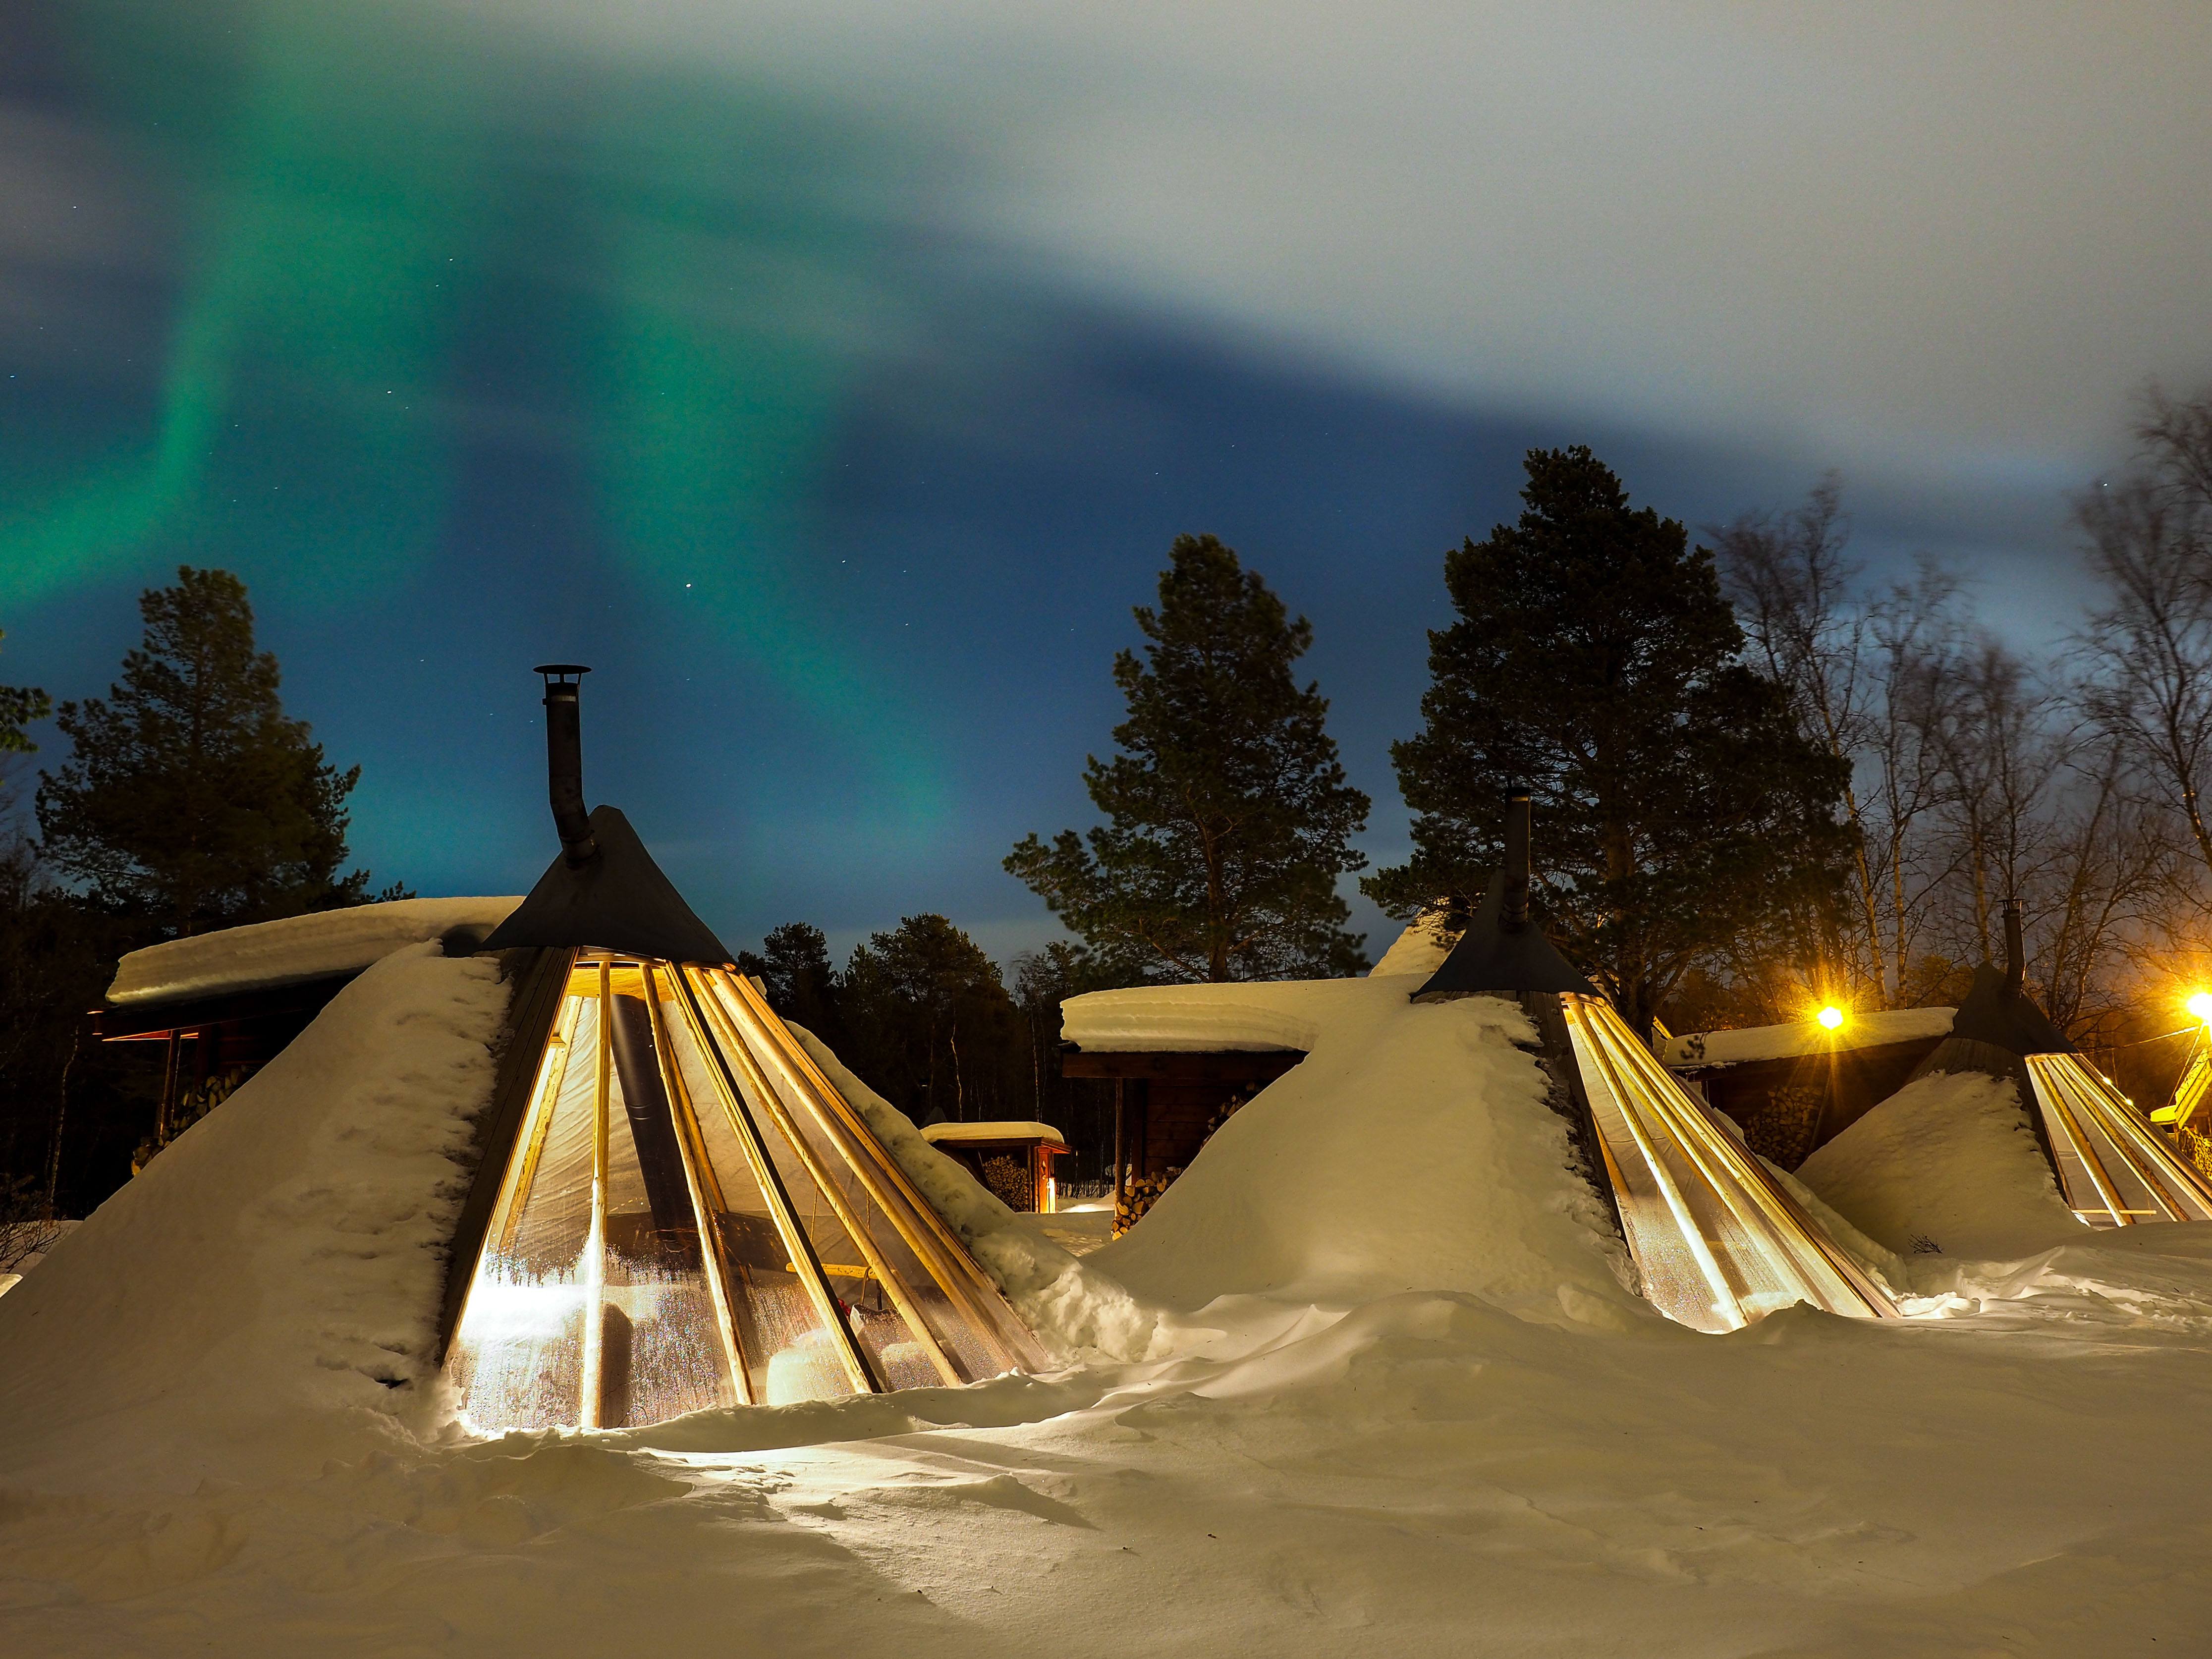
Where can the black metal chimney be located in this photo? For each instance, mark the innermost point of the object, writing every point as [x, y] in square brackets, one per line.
[1514, 914]
[1501, 952]
[604, 892]
[2015, 952]
[564, 760]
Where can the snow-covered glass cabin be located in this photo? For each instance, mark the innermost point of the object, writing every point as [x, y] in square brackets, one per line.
[673, 1207]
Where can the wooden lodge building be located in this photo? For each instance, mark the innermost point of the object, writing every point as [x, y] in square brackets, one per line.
[1792, 1089]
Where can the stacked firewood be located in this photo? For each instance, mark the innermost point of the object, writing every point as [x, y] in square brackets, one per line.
[1008, 1178]
[1138, 1196]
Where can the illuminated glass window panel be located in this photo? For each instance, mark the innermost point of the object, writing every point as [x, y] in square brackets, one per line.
[693, 1217]
[2114, 1169]
[1718, 1242]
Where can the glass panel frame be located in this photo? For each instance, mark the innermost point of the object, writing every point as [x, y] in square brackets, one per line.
[1717, 1240]
[2114, 1169]
[775, 1168]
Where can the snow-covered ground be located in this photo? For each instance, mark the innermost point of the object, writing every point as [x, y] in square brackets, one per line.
[1365, 1380]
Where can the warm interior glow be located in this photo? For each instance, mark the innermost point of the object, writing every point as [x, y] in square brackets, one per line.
[1830, 1018]
[2200, 1006]
[2114, 1168]
[694, 1217]
[1717, 1242]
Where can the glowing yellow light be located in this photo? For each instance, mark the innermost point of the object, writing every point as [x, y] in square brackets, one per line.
[1830, 1018]
[2200, 1006]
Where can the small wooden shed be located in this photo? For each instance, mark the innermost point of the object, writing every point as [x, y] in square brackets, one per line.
[1013, 1159]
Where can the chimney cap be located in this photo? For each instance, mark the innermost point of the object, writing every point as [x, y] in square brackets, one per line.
[561, 670]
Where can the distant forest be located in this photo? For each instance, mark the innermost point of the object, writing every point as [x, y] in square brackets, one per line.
[1761, 779]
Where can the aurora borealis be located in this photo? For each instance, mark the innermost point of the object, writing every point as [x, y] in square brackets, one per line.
[478, 336]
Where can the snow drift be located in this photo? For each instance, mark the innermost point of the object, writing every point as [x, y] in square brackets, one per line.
[1947, 1165]
[1413, 1148]
[262, 1298]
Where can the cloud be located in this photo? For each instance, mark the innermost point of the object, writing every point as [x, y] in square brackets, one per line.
[1926, 241]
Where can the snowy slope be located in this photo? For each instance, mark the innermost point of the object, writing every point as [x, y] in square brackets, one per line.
[1411, 1150]
[1947, 1165]
[240, 1306]
[271, 954]
[1355, 1425]
[1420, 948]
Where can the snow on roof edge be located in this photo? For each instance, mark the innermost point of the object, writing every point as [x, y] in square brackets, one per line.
[1009, 1129]
[266, 954]
[1804, 1037]
[1257, 1015]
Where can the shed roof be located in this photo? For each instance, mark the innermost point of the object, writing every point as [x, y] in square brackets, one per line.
[938, 1134]
[1694, 1049]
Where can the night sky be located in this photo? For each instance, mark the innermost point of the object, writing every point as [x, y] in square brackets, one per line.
[833, 380]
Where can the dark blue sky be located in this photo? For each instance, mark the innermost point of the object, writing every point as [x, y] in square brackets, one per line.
[841, 458]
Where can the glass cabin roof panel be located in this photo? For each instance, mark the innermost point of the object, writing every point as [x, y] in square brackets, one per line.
[691, 1216]
[963, 1308]
[788, 1350]
[517, 1356]
[1718, 1240]
[947, 1348]
[2114, 1167]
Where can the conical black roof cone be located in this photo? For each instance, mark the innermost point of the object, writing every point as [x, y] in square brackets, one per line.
[1488, 959]
[604, 892]
[618, 900]
[1998, 1025]
[1995, 1013]
[1503, 950]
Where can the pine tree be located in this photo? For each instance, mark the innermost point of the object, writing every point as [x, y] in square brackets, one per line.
[190, 798]
[1229, 818]
[19, 705]
[1678, 806]
[794, 971]
[933, 1028]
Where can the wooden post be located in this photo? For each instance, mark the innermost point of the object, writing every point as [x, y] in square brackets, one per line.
[1117, 1141]
[167, 1109]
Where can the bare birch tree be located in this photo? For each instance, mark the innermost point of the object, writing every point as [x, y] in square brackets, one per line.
[2149, 649]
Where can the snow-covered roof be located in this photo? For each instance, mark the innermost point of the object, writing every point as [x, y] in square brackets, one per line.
[1806, 1037]
[1194, 1019]
[1421, 949]
[297, 948]
[938, 1134]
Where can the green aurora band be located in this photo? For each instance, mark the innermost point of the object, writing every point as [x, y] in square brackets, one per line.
[692, 268]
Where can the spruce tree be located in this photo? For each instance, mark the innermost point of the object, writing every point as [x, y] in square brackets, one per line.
[1229, 818]
[1677, 805]
[189, 799]
[796, 976]
[19, 705]
[934, 1030]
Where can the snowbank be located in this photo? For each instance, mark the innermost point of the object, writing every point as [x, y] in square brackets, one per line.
[1806, 1037]
[1948, 1164]
[1375, 1470]
[1413, 1149]
[271, 954]
[262, 1298]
